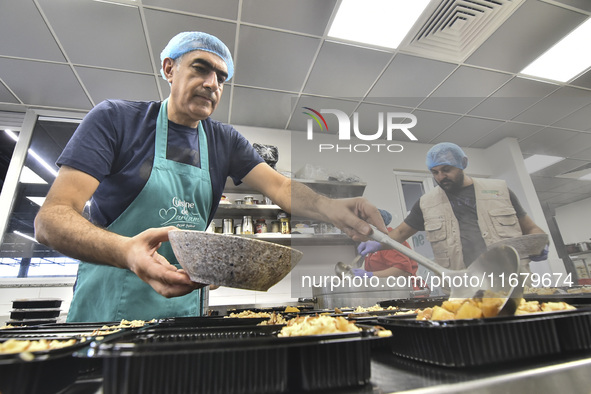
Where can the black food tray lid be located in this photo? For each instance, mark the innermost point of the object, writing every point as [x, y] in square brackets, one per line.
[36, 303]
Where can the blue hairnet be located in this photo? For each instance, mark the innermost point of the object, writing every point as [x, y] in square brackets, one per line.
[192, 41]
[386, 216]
[446, 153]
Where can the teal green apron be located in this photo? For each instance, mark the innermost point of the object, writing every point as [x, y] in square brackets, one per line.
[176, 194]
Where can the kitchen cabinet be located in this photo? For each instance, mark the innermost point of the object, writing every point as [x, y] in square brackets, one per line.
[333, 189]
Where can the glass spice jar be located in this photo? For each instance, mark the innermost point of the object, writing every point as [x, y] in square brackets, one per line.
[261, 226]
[285, 226]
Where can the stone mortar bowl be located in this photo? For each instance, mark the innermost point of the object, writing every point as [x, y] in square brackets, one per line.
[232, 261]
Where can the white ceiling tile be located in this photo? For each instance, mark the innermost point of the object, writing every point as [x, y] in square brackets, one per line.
[557, 105]
[408, 79]
[162, 26]
[506, 130]
[299, 120]
[47, 78]
[89, 40]
[272, 108]
[217, 8]
[584, 5]
[513, 98]
[582, 155]
[106, 84]
[431, 124]
[583, 81]
[345, 71]
[567, 198]
[560, 168]
[528, 33]
[290, 56]
[25, 34]
[6, 96]
[544, 184]
[582, 187]
[578, 120]
[464, 89]
[544, 196]
[569, 147]
[546, 142]
[306, 16]
[467, 130]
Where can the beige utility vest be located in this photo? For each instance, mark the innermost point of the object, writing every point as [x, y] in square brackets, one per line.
[497, 220]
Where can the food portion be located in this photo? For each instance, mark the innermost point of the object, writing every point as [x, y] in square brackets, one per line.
[476, 308]
[249, 314]
[111, 329]
[317, 325]
[12, 346]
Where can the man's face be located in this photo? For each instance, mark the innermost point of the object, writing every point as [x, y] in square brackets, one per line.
[197, 82]
[449, 178]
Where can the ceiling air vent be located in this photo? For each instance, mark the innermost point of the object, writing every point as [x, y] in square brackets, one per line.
[452, 29]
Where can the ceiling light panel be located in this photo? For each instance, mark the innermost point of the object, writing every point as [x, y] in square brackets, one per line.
[565, 60]
[382, 23]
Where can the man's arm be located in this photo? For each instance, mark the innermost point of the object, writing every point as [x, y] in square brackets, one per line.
[402, 232]
[528, 226]
[60, 225]
[351, 215]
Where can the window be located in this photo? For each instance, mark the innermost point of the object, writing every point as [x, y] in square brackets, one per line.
[30, 174]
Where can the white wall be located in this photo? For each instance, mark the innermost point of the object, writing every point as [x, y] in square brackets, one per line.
[574, 221]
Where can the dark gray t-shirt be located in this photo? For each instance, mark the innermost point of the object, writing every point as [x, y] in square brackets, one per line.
[463, 204]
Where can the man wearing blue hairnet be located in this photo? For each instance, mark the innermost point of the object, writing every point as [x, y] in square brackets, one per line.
[463, 215]
[148, 167]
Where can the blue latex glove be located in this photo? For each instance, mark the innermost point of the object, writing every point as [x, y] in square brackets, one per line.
[368, 247]
[361, 272]
[540, 257]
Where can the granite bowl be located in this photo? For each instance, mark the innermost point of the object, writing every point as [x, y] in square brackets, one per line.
[231, 260]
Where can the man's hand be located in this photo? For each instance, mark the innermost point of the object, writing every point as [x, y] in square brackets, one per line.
[144, 260]
[352, 216]
[368, 247]
[542, 256]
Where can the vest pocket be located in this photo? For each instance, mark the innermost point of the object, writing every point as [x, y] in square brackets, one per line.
[435, 231]
[504, 221]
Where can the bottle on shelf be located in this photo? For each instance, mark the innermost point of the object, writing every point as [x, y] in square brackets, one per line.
[247, 226]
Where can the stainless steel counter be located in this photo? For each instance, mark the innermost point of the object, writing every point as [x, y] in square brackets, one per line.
[392, 374]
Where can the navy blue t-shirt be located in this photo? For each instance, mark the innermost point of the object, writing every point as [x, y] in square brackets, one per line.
[115, 144]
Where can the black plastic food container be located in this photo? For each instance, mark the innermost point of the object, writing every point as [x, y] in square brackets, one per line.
[49, 371]
[477, 342]
[230, 360]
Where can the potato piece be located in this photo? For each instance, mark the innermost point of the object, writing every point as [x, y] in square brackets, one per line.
[556, 306]
[469, 310]
[452, 305]
[440, 313]
[424, 314]
[490, 307]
